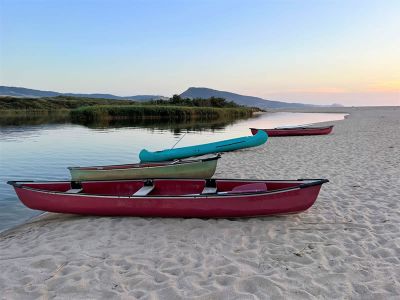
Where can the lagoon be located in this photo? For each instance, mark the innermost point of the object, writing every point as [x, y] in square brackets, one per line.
[44, 151]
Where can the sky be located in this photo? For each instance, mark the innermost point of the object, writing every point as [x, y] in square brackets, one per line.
[314, 51]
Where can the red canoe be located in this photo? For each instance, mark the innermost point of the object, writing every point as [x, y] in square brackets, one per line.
[171, 197]
[295, 131]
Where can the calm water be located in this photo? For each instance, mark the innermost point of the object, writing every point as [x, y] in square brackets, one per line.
[42, 152]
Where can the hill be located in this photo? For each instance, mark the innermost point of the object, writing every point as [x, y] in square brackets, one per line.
[31, 93]
[192, 93]
[195, 92]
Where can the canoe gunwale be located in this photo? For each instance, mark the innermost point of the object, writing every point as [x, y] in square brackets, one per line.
[313, 182]
[302, 127]
[296, 128]
[294, 131]
[150, 164]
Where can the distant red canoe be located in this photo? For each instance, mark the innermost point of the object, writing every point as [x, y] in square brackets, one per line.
[295, 131]
[213, 198]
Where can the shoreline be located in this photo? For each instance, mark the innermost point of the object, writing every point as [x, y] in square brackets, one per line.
[345, 246]
[28, 221]
[43, 213]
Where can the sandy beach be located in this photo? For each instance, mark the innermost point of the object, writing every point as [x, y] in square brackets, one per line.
[347, 246]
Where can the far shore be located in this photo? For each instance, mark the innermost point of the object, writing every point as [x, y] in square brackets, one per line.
[93, 111]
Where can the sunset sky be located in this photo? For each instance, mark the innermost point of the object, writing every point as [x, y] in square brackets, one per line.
[319, 52]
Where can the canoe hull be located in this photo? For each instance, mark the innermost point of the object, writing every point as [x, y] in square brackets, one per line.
[201, 169]
[291, 199]
[295, 131]
[216, 147]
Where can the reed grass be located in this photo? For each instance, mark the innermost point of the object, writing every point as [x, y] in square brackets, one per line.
[115, 112]
[87, 110]
[55, 103]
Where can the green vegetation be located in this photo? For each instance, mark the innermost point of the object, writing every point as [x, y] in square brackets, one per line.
[89, 110]
[55, 103]
[99, 112]
[69, 102]
[177, 100]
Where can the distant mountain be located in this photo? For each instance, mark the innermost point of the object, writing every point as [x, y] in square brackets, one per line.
[23, 92]
[337, 105]
[195, 92]
[192, 92]
[30, 93]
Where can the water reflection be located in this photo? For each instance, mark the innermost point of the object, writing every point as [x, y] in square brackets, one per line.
[15, 123]
[37, 118]
[166, 125]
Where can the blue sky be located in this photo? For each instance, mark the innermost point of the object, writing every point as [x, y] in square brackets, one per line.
[302, 51]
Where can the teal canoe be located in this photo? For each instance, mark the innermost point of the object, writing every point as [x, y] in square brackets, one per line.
[216, 147]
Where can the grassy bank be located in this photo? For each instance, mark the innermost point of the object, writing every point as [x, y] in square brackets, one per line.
[14, 104]
[91, 110]
[114, 112]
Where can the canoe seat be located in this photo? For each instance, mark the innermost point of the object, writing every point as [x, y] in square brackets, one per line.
[210, 187]
[74, 191]
[145, 189]
[209, 190]
[249, 188]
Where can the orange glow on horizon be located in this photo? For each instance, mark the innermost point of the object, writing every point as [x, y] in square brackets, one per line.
[392, 86]
[386, 87]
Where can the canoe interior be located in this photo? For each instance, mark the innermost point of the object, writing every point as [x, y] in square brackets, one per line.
[162, 187]
[293, 131]
[301, 127]
[126, 166]
[143, 165]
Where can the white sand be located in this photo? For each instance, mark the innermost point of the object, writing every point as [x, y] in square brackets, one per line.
[346, 246]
